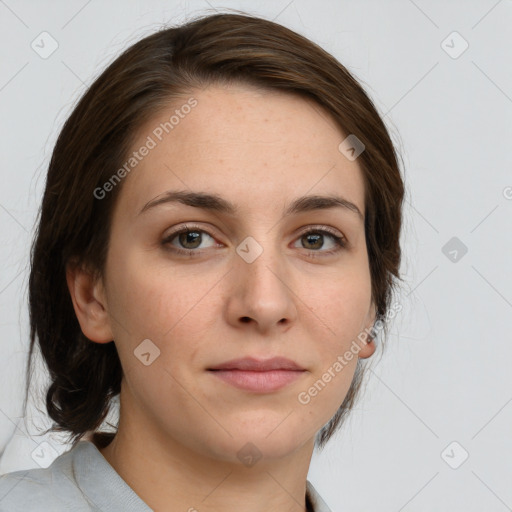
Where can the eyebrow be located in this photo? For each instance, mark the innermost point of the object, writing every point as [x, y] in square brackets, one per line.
[214, 202]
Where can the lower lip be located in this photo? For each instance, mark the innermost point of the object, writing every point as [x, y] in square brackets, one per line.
[259, 382]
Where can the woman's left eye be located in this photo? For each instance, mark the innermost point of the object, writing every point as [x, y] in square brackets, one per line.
[190, 239]
[315, 239]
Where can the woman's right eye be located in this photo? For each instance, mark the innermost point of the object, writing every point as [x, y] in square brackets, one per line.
[187, 240]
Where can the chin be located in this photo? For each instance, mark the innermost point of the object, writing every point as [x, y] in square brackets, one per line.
[269, 439]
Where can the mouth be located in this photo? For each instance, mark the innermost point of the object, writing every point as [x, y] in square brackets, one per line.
[258, 376]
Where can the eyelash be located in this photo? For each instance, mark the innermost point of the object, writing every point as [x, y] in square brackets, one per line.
[340, 242]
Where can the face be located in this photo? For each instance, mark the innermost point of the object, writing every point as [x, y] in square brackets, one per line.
[241, 274]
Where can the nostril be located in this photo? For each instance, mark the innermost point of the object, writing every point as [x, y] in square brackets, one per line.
[245, 319]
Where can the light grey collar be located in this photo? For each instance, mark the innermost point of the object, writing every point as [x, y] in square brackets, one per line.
[319, 504]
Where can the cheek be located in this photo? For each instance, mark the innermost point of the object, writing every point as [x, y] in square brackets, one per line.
[173, 309]
[150, 297]
[340, 306]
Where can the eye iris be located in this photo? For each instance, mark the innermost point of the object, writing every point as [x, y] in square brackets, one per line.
[317, 240]
[190, 237]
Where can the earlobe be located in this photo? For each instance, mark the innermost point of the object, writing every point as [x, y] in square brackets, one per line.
[368, 346]
[368, 349]
[89, 303]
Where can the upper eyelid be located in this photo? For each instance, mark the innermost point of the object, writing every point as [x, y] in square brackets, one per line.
[320, 227]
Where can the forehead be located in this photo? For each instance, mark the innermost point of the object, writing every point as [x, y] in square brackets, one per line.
[247, 144]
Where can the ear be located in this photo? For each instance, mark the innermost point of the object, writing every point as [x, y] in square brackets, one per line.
[368, 345]
[89, 301]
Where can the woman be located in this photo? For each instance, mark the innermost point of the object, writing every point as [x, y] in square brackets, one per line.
[218, 236]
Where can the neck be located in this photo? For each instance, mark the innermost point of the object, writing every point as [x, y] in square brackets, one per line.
[173, 476]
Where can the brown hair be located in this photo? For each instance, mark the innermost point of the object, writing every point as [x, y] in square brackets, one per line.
[73, 225]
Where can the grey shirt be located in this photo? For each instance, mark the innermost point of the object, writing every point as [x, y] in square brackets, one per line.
[82, 480]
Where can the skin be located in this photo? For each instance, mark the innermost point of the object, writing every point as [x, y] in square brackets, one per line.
[181, 427]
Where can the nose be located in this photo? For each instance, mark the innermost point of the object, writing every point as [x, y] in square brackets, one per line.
[261, 295]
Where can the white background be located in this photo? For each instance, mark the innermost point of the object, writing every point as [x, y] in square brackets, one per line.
[446, 374]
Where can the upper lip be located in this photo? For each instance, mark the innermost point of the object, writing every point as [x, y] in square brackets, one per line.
[258, 365]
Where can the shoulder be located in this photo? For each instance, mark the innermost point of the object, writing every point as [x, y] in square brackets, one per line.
[80, 480]
[51, 488]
